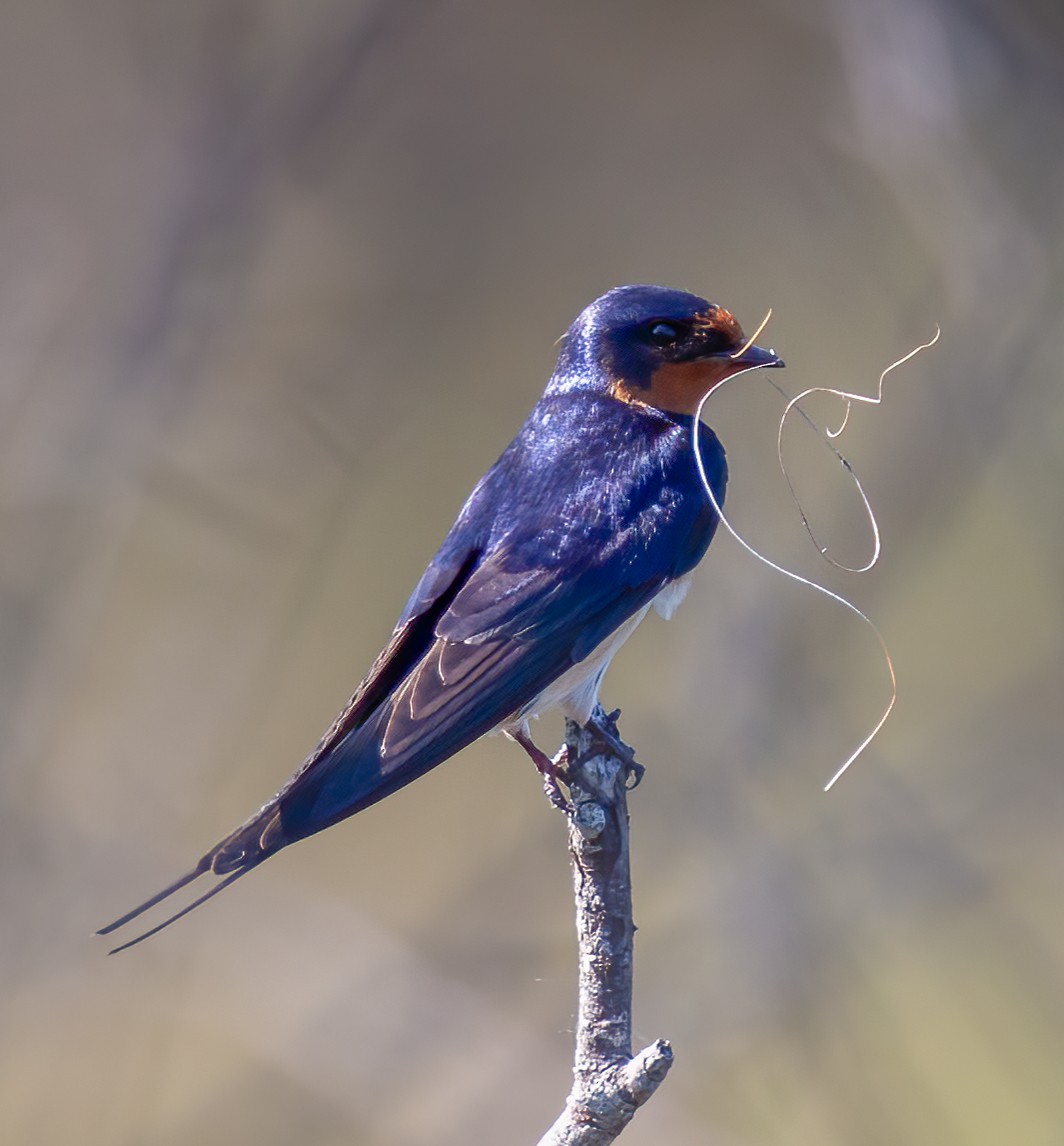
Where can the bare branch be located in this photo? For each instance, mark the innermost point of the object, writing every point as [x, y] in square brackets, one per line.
[609, 1084]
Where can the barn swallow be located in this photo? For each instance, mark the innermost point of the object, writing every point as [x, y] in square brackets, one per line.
[594, 513]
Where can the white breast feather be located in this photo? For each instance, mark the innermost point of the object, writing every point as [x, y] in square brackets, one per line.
[575, 692]
[668, 600]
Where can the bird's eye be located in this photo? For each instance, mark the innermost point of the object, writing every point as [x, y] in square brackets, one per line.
[664, 333]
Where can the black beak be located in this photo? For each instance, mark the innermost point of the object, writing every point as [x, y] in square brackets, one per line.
[755, 356]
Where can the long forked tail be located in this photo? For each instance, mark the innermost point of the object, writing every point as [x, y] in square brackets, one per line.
[235, 856]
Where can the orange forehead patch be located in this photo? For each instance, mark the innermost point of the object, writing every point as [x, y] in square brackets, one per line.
[719, 321]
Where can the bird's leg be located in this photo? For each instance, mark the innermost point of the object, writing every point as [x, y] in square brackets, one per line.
[551, 770]
[603, 726]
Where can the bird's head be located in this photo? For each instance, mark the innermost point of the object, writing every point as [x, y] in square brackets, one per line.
[656, 347]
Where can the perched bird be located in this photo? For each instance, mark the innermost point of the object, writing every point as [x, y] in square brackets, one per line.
[593, 513]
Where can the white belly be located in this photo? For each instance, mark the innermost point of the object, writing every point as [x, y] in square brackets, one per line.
[575, 692]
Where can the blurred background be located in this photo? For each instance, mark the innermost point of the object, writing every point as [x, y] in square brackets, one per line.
[277, 282]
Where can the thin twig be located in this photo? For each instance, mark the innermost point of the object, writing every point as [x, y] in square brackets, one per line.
[609, 1084]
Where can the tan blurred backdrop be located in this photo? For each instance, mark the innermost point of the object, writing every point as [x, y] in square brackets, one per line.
[277, 282]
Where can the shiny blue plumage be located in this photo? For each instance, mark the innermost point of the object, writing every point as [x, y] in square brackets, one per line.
[585, 517]
[593, 509]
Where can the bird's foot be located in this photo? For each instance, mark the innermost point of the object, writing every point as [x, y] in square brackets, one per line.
[603, 727]
[552, 770]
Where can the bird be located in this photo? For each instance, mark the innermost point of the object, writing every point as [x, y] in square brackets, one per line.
[595, 513]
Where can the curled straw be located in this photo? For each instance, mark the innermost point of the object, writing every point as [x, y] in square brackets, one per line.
[827, 437]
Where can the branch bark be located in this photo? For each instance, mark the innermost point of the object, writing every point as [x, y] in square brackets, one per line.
[609, 1084]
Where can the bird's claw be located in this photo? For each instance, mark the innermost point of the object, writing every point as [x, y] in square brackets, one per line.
[555, 772]
[603, 725]
[558, 771]
[552, 790]
[608, 720]
[636, 772]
